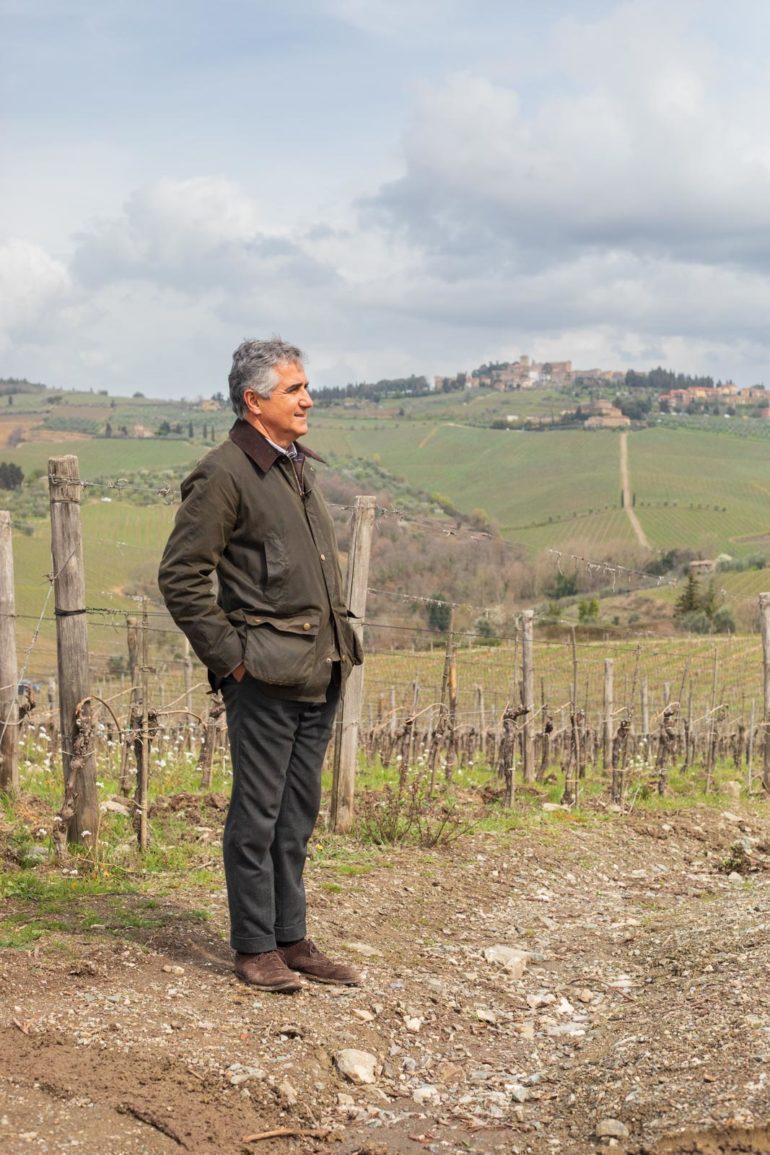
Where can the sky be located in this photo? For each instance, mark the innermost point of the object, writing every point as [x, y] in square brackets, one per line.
[397, 186]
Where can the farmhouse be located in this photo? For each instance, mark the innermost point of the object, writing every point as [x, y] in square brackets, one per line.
[703, 566]
[603, 415]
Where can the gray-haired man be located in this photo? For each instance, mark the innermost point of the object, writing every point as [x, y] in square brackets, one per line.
[277, 640]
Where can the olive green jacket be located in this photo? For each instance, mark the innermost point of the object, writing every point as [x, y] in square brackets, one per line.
[265, 531]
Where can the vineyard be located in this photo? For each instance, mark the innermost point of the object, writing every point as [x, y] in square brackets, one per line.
[524, 787]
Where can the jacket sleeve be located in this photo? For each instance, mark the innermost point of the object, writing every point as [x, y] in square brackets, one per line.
[204, 522]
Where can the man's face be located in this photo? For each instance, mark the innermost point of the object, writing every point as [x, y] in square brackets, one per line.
[283, 416]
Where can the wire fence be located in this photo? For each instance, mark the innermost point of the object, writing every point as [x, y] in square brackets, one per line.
[446, 694]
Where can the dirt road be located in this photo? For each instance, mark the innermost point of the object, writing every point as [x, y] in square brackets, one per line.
[628, 497]
[636, 1018]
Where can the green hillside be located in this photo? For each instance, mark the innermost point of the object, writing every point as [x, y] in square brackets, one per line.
[705, 491]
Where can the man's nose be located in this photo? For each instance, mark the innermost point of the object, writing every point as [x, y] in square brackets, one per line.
[306, 401]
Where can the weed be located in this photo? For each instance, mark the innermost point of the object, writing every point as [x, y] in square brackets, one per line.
[411, 815]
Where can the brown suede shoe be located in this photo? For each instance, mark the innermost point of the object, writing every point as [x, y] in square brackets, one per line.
[305, 957]
[267, 971]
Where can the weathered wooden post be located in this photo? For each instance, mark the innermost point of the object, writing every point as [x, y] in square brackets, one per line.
[188, 697]
[609, 706]
[9, 706]
[132, 738]
[80, 813]
[143, 782]
[645, 712]
[764, 623]
[349, 712]
[750, 747]
[528, 696]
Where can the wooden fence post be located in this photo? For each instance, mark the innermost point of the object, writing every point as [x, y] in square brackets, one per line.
[349, 712]
[132, 736]
[81, 811]
[9, 706]
[143, 781]
[188, 698]
[528, 696]
[609, 695]
[764, 622]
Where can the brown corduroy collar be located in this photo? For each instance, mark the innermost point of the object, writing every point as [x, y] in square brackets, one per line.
[259, 449]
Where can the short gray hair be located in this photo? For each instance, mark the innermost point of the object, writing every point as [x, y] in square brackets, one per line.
[253, 365]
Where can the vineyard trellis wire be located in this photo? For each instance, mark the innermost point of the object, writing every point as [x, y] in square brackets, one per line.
[460, 701]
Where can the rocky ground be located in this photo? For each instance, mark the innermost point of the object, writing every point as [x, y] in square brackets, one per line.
[586, 986]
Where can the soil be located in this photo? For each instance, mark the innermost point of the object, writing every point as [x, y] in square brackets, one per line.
[640, 1021]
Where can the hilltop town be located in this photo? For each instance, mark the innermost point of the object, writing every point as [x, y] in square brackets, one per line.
[614, 399]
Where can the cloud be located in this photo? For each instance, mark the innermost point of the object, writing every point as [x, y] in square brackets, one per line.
[638, 150]
[197, 235]
[593, 188]
[32, 284]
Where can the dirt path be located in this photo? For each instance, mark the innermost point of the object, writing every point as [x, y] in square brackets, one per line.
[628, 499]
[639, 1011]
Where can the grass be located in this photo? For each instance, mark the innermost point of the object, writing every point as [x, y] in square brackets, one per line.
[122, 895]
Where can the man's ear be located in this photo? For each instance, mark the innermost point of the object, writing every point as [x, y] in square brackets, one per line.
[252, 400]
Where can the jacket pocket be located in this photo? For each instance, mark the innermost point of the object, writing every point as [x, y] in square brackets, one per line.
[281, 651]
[349, 639]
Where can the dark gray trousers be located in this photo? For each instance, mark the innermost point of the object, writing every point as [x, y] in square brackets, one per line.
[277, 749]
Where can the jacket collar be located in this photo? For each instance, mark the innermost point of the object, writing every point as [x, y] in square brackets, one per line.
[259, 449]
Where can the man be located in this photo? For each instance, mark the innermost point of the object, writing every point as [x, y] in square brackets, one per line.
[276, 638]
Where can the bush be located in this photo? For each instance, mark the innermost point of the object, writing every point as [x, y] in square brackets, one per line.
[695, 622]
[723, 621]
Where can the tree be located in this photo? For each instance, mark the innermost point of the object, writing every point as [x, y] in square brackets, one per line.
[439, 613]
[564, 586]
[708, 601]
[689, 601]
[588, 610]
[11, 476]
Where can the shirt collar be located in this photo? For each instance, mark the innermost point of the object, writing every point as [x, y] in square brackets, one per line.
[261, 450]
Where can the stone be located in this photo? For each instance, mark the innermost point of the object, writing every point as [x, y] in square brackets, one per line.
[115, 807]
[539, 999]
[238, 1074]
[519, 1094]
[168, 969]
[485, 1015]
[363, 949]
[568, 1030]
[287, 1093]
[611, 1129]
[425, 1094]
[509, 957]
[356, 1066]
[450, 1074]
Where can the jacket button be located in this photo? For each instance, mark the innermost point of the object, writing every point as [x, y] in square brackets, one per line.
[306, 625]
[323, 557]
